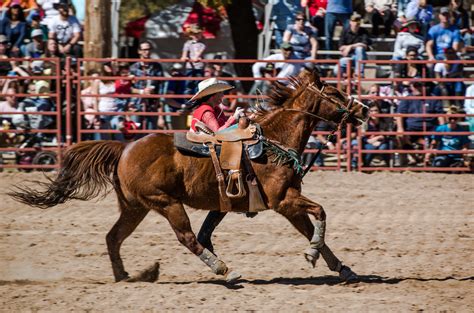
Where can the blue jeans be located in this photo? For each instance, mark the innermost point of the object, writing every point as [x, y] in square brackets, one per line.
[446, 160]
[369, 156]
[358, 54]
[330, 24]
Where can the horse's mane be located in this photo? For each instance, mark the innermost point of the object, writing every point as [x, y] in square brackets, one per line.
[280, 93]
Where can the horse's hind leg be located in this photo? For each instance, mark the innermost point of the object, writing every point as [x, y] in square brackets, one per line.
[212, 220]
[179, 221]
[125, 225]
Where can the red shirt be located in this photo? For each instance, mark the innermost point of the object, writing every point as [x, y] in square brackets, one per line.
[214, 118]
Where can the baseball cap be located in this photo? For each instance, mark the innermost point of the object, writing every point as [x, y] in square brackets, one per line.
[356, 17]
[36, 32]
[444, 10]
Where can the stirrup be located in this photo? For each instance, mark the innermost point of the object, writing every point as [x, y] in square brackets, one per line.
[235, 182]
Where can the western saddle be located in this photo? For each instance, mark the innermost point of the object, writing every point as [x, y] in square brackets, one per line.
[233, 143]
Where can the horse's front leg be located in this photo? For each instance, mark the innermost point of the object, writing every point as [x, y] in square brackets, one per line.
[297, 208]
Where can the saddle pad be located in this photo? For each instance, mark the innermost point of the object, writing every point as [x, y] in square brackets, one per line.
[184, 146]
[231, 155]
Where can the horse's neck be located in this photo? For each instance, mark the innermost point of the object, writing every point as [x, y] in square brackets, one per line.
[292, 129]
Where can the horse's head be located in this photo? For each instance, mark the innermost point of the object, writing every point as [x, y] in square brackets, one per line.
[325, 101]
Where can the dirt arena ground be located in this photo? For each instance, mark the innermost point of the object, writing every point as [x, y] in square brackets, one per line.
[409, 237]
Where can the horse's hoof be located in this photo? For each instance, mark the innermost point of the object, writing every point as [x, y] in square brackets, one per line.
[311, 256]
[347, 275]
[123, 277]
[232, 276]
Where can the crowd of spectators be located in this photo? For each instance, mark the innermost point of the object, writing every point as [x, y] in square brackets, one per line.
[302, 30]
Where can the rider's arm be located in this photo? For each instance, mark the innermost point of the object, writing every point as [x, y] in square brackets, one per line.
[210, 120]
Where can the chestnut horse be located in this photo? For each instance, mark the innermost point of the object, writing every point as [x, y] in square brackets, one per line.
[150, 174]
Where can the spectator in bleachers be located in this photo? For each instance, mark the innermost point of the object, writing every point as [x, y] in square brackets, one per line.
[263, 87]
[461, 19]
[67, 31]
[449, 142]
[409, 38]
[375, 142]
[283, 69]
[193, 52]
[408, 70]
[353, 45]
[469, 106]
[37, 47]
[302, 38]
[50, 11]
[175, 87]
[421, 11]
[451, 70]
[442, 36]
[317, 13]
[105, 103]
[14, 27]
[336, 11]
[88, 105]
[219, 67]
[283, 14]
[35, 24]
[10, 104]
[381, 12]
[417, 123]
[384, 106]
[29, 7]
[147, 69]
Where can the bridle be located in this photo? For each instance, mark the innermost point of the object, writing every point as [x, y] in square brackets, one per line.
[344, 109]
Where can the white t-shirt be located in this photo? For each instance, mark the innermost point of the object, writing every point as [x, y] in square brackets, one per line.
[49, 11]
[64, 30]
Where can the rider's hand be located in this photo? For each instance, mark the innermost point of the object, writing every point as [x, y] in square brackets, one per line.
[238, 112]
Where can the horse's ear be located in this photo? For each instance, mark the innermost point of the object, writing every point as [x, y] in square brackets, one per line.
[316, 77]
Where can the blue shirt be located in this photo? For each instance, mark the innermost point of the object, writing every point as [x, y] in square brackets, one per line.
[284, 11]
[416, 107]
[443, 37]
[450, 142]
[339, 6]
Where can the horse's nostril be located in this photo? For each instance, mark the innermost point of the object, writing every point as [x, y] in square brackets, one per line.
[365, 110]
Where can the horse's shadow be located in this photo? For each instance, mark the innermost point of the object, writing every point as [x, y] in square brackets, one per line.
[329, 281]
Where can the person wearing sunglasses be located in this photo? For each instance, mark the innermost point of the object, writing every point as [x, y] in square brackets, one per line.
[302, 38]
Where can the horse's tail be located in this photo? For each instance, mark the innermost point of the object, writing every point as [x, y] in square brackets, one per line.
[85, 173]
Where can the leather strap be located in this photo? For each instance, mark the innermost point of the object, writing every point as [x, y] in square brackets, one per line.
[225, 204]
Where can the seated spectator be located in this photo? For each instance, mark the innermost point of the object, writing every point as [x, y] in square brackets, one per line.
[50, 11]
[37, 47]
[172, 105]
[193, 51]
[450, 70]
[5, 66]
[381, 12]
[317, 12]
[409, 38]
[375, 142]
[421, 11]
[88, 105]
[448, 143]
[283, 13]
[283, 69]
[263, 87]
[443, 36]
[302, 38]
[469, 106]
[316, 142]
[29, 7]
[353, 45]
[10, 104]
[461, 20]
[408, 70]
[35, 24]
[414, 124]
[219, 67]
[384, 106]
[66, 29]
[14, 27]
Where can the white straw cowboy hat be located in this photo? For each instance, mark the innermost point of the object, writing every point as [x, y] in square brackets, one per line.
[209, 87]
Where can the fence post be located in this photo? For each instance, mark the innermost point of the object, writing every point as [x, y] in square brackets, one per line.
[68, 102]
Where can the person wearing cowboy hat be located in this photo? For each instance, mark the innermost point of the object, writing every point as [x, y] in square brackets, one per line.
[208, 99]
